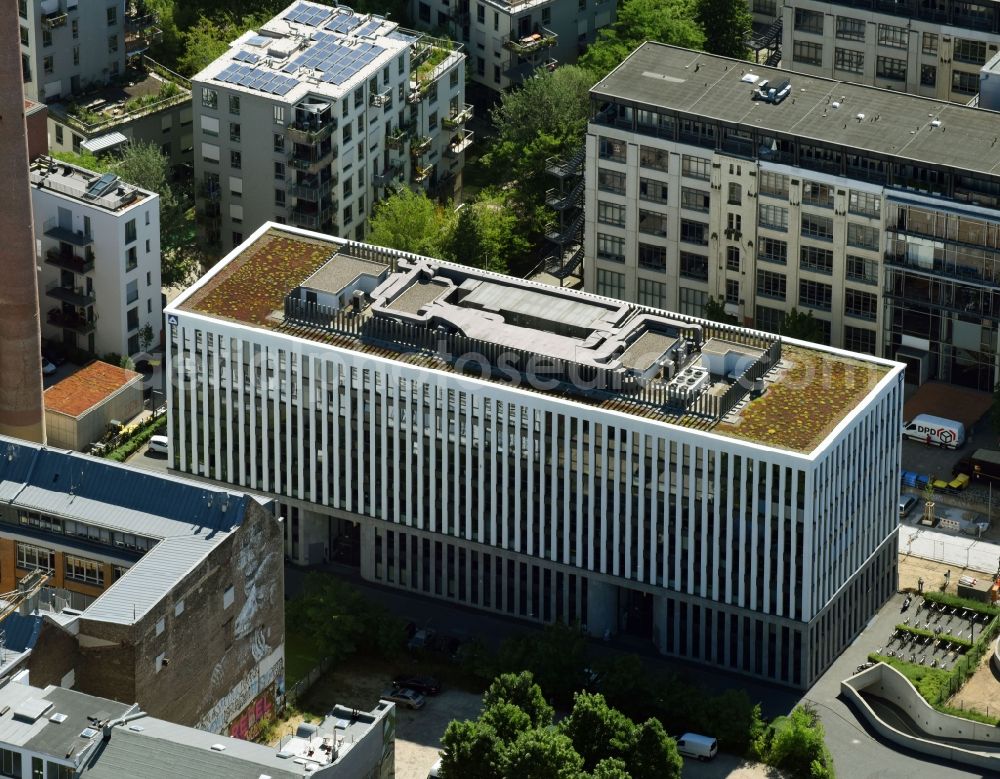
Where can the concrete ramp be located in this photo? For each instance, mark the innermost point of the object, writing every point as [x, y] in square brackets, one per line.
[887, 700]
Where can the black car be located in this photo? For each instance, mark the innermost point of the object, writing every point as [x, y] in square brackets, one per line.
[426, 685]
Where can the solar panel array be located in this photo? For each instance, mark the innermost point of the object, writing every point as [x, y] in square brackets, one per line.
[307, 14]
[343, 22]
[246, 56]
[338, 62]
[370, 27]
[257, 78]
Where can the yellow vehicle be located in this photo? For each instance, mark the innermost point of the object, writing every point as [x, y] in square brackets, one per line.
[959, 483]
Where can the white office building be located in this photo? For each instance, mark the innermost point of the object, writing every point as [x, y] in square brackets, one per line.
[546, 453]
[98, 241]
[312, 118]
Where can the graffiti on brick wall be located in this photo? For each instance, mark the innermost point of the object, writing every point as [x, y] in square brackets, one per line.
[254, 717]
[226, 708]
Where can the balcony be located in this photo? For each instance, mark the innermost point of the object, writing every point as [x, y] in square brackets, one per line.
[53, 20]
[310, 158]
[309, 133]
[77, 296]
[396, 139]
[73, 237]
[459, 144]
[311, 189]
[70, 321]
[527, 45]
[420, 146]
[422, 172]
[313, 219]
[69, 261]
[385, 178]
[141, 32]
[379, 99]
[457, 117]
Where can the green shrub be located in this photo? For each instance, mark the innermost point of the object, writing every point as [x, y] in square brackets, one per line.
[944, 599]
[931, 634]
[150, 428]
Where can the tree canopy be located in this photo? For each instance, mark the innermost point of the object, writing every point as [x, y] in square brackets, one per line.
[715, 310]
[411, 222]
[802, 325]
[727, 26]
[520, 690]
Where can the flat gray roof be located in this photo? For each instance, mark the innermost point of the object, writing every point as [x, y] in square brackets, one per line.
[894, 123]
[340, 271]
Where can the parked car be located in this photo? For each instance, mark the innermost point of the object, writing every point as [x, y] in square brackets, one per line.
[404, 697]
[906, 504]
[935, 430]
[53, 354]
[435, 772]
[421, 639]
[158, 444]
[694, 745]
[425, 685]
[47, 367]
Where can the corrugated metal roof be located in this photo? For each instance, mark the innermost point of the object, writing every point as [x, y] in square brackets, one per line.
[20, 632]
[145, 583]
[103, 142]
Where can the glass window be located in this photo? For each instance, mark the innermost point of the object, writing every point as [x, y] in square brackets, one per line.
[890, 68]
[652, 223]
[30, 557]
[862, 236]
[234, 104]
[279, 114]
[732, 291]
[769, 319]
[849, 60]
[772, 250]
[965, 83]
[816, 259]
[815, 294]
[973, 52]
[694, 266]
[696, 167]
[733, 258]
[859, 339]
[929, 43]
[694, 199]
[610, 213]
[235, 132]
[235, 159]
[209, 98]
[652, 293]
[611, 149]
[10, 763]
[279, 142]
[767, 8]
[652, 190]
[928, 75]
[130, 232]
[865, 203]
[610, 283]
[83, 570]
[735, 194]
[771, 285]
[610, 247]
[611, 181]
[862, 305]
[849, 29]
[773, 184]
[809, 21]
[773, 217]
[650, 157]
[860, 269]
[112, 15]
[694, 232]
[820, 227]
[692, 301]
[891, 35]
[279, 171]
[652, 257]
[807, 52]
[815, 194]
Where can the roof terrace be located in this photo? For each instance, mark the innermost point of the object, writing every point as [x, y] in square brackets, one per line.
[677, 369]
[105, 191]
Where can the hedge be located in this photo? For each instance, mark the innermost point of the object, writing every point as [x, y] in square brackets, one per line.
[964, 642]
[130, 447]
[945, 599]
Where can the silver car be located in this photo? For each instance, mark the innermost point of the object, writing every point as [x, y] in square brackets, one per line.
[404, 697]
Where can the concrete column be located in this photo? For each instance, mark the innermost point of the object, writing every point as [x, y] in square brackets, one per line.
[21, 411]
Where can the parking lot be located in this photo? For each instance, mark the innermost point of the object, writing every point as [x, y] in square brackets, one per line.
[939, 650]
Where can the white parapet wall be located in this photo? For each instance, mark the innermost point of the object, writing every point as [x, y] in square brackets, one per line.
[885, 682]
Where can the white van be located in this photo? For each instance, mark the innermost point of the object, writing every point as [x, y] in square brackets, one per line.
[935, 430]
[701, 747]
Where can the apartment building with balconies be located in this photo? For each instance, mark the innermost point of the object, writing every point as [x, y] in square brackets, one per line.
[508, 40]
[314, 117]
[929, 49]
[99, 259]
[770, 190]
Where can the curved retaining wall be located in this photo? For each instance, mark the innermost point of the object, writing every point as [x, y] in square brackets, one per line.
[996, 655]
[886, 682]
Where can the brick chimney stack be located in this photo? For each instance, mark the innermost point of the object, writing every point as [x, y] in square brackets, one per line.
[22, 411]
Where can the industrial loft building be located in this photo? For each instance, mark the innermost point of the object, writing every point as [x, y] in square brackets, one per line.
[161, 590]
[99, 259]
[86, 63]
[546, 453]
[507, 40]
[54, 733]
[310, 119]
[874, 210]
[929, 49]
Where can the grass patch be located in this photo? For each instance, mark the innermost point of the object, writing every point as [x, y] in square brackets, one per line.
[964, 642]
[933, 684]
[302, 654]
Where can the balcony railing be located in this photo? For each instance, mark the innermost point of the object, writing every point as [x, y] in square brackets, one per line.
[396, 139]
[421, 145]
[70, 321]
[422, 172]
[311, 190]
[380, 99]
[54, 19]
[308, 133]
[77, 296]
[52, 229]
[311, 159]
[457, 117]
[70, 261]
[311, 219]
[459, 143]
[529, 44]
